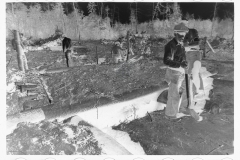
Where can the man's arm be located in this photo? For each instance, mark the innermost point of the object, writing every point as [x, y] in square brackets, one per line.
[168, 57]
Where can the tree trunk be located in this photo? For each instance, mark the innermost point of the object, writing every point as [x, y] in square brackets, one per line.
[233, 31]
[118, 15]
[113, 13]
[136, 19]
[21, 58]
[78, 27]
[215, 8]
[153, 12]
[48, 5]
[102, 6]
[62, 19]
[12, 9]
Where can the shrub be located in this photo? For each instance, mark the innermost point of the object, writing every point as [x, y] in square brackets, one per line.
[38, 24]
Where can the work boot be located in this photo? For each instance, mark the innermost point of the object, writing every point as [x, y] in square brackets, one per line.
[195, 115]
[200, 96]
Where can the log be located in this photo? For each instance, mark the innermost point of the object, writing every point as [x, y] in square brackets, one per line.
[82, 47]
[26, 87]
[45, 88]
[32, 92]
[56, 70]
[23, 99]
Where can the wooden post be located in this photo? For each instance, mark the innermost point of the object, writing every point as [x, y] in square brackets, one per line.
[21, 58]
[128, 47]
[215, 8]
[96, 55]
[204, 47]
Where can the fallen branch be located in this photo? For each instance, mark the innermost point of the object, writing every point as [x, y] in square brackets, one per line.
[45, 88]
[215, 149]
[57, 70]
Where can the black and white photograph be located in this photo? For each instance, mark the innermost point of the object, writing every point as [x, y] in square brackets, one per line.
[119, 78]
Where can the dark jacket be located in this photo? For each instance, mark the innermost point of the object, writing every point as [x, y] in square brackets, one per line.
[174, 54]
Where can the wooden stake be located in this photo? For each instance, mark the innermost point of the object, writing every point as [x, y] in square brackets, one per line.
[128, 47]
[96, 55]
[204, 47]
[210, 46]
[215, 8]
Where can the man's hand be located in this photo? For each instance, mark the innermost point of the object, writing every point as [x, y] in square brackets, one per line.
[184, 64]
[187, 49]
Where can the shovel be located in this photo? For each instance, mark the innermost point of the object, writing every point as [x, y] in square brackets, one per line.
[187, 88]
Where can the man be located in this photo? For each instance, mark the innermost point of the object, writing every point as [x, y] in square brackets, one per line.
[66, 43]
[175, 59]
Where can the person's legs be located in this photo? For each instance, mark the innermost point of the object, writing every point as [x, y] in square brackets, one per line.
[195, 75]
[174, 97]
[173, 100]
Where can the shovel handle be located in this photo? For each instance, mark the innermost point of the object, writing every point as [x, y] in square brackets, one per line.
[187, 89]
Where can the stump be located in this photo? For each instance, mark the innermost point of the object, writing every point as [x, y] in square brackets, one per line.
[21, 57]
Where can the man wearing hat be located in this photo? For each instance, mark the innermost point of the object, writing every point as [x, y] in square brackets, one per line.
[175, 59]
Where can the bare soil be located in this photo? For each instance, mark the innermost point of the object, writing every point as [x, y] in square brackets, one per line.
[157, 135]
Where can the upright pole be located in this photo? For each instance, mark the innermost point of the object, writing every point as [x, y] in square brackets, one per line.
[128, 47]
[204, 47]
[215, 8]
[21, 58]
[96, 55]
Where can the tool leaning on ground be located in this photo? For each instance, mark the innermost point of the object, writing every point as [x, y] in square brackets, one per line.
[189, 87]
[188, 78]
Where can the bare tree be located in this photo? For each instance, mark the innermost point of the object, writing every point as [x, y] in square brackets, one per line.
[132, 17]
[91, 8]
[102, 6]
[136, 18]
[215, 9]
[76, 17]
[12, 8]
[107, 11]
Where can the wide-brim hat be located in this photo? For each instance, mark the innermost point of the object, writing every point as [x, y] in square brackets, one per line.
[180, 28]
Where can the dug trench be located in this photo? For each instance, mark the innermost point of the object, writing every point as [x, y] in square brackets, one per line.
[155, 134]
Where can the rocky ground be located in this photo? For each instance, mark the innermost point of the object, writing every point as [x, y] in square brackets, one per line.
[214, 135]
